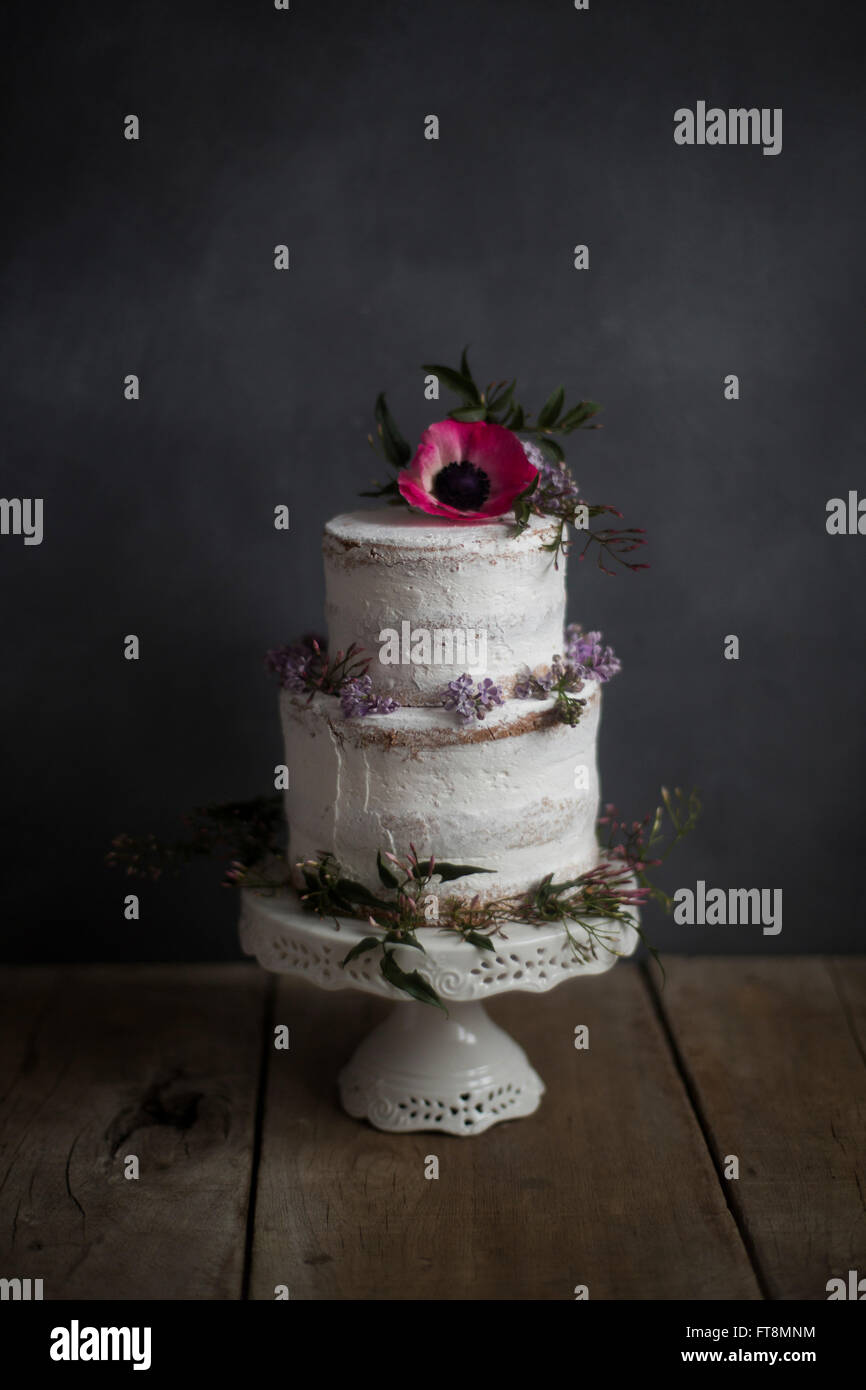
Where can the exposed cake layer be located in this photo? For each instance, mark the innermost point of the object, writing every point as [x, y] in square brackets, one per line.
[457, 598]
[517, 794]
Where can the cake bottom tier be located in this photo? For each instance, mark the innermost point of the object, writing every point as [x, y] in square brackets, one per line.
[516, 794]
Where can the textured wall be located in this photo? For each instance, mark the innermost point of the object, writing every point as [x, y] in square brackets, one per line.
[306, 127]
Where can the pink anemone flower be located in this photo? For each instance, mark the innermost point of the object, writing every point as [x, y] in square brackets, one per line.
[466, 471]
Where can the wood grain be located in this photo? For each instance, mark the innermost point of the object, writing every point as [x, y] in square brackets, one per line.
[772, 1053]
[609, 1184]
[849, 977]
[98, 1063]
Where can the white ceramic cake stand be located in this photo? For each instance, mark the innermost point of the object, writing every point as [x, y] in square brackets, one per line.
[421, 1070]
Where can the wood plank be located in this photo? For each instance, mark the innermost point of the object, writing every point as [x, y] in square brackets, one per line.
[780, 1082]
[100, 1062]
[609, 1184]
[849, 977]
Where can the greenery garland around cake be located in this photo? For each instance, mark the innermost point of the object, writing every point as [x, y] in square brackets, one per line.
[492, 457]
[592, 908]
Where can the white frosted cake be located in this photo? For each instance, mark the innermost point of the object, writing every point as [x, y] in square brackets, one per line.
[384, 569]
[514, 792]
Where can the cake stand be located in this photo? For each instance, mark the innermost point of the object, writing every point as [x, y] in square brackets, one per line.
[421, 1069]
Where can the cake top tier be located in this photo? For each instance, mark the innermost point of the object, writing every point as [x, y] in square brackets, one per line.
[432, 600]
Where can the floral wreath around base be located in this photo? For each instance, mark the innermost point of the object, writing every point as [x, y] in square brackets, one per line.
[251, 834]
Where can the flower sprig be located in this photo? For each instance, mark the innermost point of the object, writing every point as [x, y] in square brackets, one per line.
[593, 897]
[409, 882]
[496, 404]
[645, 845]
[611, 543]
[560, 681]
[553, 492]
[586, 650]
[389, 442]
[358, 698]
[244, 832]
[305, 668]
[471, 702]
[586, 659]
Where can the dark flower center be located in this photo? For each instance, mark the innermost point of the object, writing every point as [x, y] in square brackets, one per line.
[462, 485]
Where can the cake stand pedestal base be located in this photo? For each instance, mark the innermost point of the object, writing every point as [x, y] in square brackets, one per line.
[422, 1069]
[419, 1070]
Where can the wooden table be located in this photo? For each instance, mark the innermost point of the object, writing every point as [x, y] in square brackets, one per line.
[251, 1177]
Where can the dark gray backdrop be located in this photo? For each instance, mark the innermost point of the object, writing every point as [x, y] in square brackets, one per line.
[306, 127]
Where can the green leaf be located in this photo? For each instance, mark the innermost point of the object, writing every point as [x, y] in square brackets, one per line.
[530, 487]
[455, 381]
[542, 892]
[522, 506]
[385, 490]
[368, 943]
[501, 399]
[394, 446]
[549, 412]
[517, 418]
[469, 412]
[476, 938]
[575, 417]
[395, 938]
[449, 871]
[386, 877]
[552, 448]
[464, 364]
[357, 893]
[410, 982]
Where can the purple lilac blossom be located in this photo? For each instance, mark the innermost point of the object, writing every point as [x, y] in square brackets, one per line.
[291, 664]
[585, 649]
[471, 704]
[523, 684]
[559, 677]
[357, 699]
[557, 493]
[489, 694]
[458, 697]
